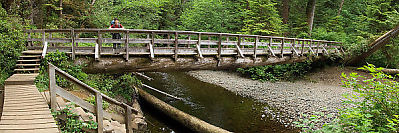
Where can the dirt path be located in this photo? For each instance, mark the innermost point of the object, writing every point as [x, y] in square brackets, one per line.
[320, 91]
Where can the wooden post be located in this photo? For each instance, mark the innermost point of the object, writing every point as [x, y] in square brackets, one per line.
[219, 47]
[128, 120]
[176, 45]
[73, 44]
[127, 45]
[292, 46]
[29, 38]
[99, 112]
[189, 41]
[44, 42]
[270, 46]
[256, 45]
[52, 86]
[317, 49]
[151, 47]
[282, 47]
[50, 35]
[239, 52]
[199, 46]
[209, 39]
[100, 42]
[303, 45]
[168, 40]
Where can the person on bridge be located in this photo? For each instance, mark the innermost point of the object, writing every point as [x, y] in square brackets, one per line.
[116, 24]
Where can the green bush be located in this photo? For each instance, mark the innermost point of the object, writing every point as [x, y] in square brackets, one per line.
[277, 72]
[12, 42]
[373, 108]
[72, 124]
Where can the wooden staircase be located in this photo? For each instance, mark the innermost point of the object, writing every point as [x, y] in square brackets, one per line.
[28, 62]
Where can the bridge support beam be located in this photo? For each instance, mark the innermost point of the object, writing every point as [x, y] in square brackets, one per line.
[165, 63]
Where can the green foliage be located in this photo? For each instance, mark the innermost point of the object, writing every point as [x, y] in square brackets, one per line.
[374, 105]
[211, 15]
[261, 18]
[12, 43]
[277, 72]
[92, 100]
[116, 84]
[72, 124]
[62, 61]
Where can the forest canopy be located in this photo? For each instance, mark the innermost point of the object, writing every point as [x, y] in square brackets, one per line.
[354, 22]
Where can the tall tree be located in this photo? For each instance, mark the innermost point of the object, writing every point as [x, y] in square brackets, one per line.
[340, 7]
[286, 11]
[310, 9]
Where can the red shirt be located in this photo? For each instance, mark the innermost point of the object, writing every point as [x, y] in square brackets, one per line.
[116, 26]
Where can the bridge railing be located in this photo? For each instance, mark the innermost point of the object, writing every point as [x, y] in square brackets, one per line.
[97, 109]
[175, 43]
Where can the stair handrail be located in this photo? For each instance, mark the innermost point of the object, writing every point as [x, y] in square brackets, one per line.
[55, 89]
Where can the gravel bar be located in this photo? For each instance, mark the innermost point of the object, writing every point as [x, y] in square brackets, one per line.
[320, 91]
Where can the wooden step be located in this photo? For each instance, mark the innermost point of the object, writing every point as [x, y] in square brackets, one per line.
[29, 56]
[27, 69]
[34, 52]
[35, 60]
[27, 64]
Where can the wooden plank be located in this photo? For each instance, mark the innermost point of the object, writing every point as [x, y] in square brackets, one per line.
[270, 48]
[128, 120]
[219, 47]
[238, 44]
[97, 52]
[198, 46]
[70, 97]
[31, 126]
[176, 45]
[99, 112]
[46, 130]
[73, 44]
[40, 106]
[151, 45]
[26, 122]
[127, 46]
[282, 48]
[302, 48]
[37, 112]
[53, 87]
[28, 117]
[256, 46]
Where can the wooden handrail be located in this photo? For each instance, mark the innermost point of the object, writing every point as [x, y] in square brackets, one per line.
[100, 113]
[243, 43]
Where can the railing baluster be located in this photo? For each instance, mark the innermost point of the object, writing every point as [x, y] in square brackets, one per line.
[151, 47]
[256, 45]
[99, 112]
[73, 44]
[176, 45]
[52, 87]
[127, 45]
[219, 47]
[128, 119]
[302, 47]
[317, 49]
[44, 42]
[100, 43]
[199, 46]
[282, 47]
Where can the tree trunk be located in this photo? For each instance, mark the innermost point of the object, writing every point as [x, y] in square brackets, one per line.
[374, 46]
[310, 9]
[340, 7]
[61, 8]
[286, 11]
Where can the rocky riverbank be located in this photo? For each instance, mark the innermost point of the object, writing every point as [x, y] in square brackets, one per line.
[320, 91]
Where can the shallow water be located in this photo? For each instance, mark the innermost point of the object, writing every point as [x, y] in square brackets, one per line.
[207, 102]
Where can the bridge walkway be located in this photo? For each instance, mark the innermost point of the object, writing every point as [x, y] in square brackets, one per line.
[25, 110]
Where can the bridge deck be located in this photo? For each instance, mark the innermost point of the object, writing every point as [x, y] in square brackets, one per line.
[24, 108]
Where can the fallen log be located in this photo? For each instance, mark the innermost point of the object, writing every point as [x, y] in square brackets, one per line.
[385, 70]
[187, 120]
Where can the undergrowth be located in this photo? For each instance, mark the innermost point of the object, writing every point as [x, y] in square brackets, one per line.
[72, 124]
[373, 108]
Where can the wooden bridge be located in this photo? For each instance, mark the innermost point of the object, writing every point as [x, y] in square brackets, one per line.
[25, 110]
[153, 43]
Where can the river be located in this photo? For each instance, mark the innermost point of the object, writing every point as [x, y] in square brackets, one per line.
[208, 102]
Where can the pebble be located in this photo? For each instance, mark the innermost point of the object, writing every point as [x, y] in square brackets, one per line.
[287, 100]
